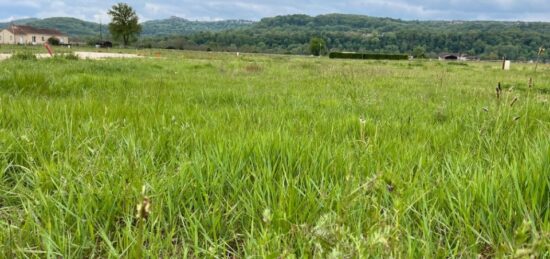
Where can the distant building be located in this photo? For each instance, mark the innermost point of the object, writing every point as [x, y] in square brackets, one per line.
[20, 34]
[455, 57]
[104, 44]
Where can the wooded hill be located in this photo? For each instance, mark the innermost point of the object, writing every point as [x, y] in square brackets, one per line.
[291, 35]
[166, 27]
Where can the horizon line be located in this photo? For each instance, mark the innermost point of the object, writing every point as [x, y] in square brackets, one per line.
[14, 19]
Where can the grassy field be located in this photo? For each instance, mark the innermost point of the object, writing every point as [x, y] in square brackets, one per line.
[272, 156]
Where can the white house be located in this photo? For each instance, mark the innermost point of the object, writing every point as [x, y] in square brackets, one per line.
[20, 34]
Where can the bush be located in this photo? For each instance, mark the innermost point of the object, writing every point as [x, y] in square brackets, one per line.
[317, 46]
[23, 56]
[63, 57]
[71, 56]
[54, 41]
[375, 56]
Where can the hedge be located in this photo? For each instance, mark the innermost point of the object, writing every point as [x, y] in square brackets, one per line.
[368, 56]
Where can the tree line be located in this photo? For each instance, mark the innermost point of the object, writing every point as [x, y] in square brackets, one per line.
[302, 34]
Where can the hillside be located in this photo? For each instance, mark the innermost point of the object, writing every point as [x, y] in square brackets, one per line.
[291, 34]
[172, 26]
[71, 26]
[181, 26]
[20, 21]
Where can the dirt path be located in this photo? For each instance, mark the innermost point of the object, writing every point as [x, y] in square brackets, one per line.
[85, 55]
[102, 55]
[4, 56]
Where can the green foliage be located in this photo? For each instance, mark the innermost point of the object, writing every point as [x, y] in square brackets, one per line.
[375, 56]
[317, 46]
[260, 156]
[419, 52]
[23, 55]
[176, 26]
[70, 26]
[70, 56]
[173, 26]
[291, 34]
[54, 41]
[356, 33]
[125, 23]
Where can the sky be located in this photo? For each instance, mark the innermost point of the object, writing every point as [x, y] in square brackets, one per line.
[209, 10]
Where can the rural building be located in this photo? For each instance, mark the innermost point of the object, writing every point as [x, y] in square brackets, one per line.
[20, 34]
[104, 44]
[454, 57]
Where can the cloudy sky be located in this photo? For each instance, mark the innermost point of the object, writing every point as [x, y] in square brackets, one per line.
[94, 10]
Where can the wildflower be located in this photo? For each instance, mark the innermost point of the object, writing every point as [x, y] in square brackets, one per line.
[267, 216]
[25, 138]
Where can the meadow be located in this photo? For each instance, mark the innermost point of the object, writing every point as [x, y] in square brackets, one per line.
[190, 154]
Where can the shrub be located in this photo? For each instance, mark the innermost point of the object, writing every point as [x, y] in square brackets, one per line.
[71, 56]
[54, 41]
[317, 46]
[344, 55]
[23, 56]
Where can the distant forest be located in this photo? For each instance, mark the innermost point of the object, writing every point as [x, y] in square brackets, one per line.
[291, 34]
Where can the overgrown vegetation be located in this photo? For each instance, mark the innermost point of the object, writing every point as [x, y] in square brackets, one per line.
[317, 46]
[53, 41]
[349, 55]
[218, 155]
[23, 55]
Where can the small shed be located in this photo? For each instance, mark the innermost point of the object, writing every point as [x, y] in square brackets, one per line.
[452, 57]
[104, 44]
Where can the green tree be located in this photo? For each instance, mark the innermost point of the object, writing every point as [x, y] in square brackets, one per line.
[125, 23]
[317, 46]
[54, 41]
[419, 52]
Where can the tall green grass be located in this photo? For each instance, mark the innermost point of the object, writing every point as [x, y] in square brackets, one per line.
[259, 156]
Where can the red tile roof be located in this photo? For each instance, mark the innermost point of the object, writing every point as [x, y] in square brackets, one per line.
[23, 29]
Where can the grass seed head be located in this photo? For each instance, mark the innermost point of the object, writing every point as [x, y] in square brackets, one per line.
[513, 101]
[362, 121]
[143, 209]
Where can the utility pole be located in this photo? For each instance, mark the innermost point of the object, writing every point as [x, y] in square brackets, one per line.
[100, 30]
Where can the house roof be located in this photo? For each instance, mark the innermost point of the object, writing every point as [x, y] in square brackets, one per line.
[450, 54]
[23, 29]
